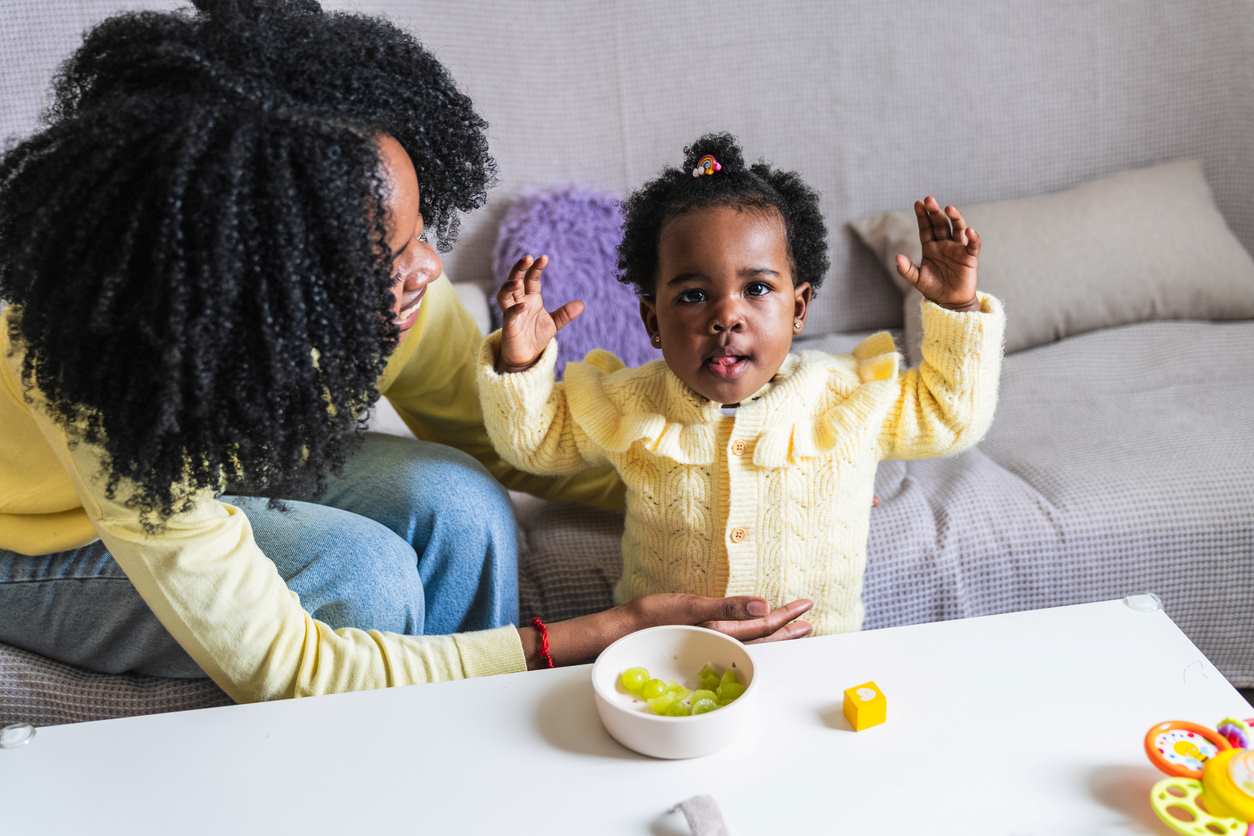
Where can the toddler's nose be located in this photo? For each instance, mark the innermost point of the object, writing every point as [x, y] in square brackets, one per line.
[727, 317]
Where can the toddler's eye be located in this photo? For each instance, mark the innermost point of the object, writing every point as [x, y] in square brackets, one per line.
[691, 296]
[758, 289]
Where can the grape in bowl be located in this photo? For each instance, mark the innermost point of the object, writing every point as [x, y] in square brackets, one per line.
[673, 653]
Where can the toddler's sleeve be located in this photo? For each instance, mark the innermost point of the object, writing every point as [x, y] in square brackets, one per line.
[528, 416]
[432, 381]
[946, 404]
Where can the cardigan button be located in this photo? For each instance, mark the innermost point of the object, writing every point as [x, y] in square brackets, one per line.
[739, 534]
[739, 447]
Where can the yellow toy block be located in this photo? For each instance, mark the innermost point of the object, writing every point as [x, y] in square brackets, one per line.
[865, 706]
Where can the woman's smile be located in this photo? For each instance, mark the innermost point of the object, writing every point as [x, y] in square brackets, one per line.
[412, 292]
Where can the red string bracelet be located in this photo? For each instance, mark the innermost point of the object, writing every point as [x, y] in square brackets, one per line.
[544, 641]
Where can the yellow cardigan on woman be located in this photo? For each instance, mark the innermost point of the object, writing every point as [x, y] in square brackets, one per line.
[776, 500]
[204, 576]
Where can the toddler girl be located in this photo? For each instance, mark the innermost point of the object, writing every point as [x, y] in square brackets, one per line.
[749, 469]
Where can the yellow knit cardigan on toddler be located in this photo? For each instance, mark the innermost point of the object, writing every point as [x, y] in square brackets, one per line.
[775, 500]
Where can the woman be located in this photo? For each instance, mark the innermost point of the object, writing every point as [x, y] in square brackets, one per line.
[216, 259]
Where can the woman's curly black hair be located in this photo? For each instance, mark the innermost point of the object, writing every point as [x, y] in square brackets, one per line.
[757, 188]
[194, 245]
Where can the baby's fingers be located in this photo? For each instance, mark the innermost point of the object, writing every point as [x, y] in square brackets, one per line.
[925, 226]
[938, 219]
[907, 270]
[511, 293]
[973, 242]
[960, 223]
[567, 314]
[531, 280]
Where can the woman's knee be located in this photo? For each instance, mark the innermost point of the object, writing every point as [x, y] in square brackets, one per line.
[376, 585]
[348, 570]
[417, 487]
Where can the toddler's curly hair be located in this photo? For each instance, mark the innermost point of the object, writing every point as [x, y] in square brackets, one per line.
[757, 187]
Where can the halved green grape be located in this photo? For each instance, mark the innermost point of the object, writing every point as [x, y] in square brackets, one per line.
[672, 699]
[661, 705]
[701, 706]
[653, 688]
[679, 708]
[708, 678]
[633, 679]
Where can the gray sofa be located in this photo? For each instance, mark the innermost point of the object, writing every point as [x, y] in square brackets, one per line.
[1120, 459]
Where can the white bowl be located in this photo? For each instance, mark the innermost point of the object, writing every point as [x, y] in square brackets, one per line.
[674, 653]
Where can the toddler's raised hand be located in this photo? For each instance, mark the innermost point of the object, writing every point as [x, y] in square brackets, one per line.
[527, 327]
[947, 273]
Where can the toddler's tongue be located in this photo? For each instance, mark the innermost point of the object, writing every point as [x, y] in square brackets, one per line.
[726, 367]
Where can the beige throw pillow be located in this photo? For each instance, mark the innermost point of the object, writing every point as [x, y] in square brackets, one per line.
[1139, 245]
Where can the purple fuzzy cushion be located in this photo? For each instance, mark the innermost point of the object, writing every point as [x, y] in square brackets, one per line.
[579, 229]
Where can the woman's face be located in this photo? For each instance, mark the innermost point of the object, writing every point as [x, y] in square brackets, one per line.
[415, 263]
[725, 305]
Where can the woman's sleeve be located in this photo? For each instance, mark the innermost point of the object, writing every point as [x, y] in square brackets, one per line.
[946, 404]
[528, 417]
[432, 383]
[223, 601]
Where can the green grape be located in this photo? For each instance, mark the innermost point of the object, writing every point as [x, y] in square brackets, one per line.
[708, 678]
[729, 692]
[701, 706]
[679, 708]
[672, 699]
[633, 679]
[653, 688]
[661, 705]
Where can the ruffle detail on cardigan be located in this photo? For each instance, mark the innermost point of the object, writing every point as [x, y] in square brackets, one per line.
[596, 389]
[858, 387]
[678, 425]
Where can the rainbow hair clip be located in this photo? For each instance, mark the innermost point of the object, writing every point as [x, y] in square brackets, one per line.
[706, 165]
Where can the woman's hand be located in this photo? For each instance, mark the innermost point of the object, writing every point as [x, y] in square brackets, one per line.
[580, 640]
[527, 327]
[947, 274]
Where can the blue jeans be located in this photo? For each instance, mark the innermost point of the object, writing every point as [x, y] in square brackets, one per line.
[414, 538]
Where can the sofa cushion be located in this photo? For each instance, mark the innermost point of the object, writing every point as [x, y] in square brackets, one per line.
[1140, 245]
[37, 690]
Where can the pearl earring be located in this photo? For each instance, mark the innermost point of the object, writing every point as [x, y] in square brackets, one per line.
[796, 325]
[657, 340]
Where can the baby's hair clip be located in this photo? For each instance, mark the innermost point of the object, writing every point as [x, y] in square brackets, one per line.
[706, 165]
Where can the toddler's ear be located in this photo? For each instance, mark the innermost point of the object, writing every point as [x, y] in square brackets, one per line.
[648, 315]
[802, 294]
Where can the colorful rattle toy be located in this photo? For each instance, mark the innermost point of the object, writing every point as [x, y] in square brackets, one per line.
[706, 165]
[1211, 788]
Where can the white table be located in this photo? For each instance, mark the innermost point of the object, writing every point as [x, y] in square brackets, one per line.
[1016, 724]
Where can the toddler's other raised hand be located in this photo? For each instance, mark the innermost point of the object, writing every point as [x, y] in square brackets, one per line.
[947, 273]
[528, 327]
